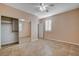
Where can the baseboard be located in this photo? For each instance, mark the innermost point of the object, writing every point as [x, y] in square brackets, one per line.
[63, 41]
[25, 37]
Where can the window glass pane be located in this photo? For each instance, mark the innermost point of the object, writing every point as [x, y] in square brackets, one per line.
[48, 25]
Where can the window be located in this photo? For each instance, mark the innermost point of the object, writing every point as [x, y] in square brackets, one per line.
[48, 25]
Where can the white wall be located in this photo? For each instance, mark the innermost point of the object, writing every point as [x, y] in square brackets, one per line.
[34, 28]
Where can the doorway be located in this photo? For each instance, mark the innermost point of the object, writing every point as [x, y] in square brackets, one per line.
[9, 31]
[41, 30]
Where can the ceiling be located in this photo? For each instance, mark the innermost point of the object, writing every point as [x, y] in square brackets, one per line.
[53, 10]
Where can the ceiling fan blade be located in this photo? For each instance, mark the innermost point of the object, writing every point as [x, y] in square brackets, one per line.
[51, 5]
[42, 4]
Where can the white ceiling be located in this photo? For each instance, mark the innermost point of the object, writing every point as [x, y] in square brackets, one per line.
[56, 9]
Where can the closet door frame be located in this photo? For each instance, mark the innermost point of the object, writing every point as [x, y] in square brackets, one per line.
[0, 31]
[0, 28]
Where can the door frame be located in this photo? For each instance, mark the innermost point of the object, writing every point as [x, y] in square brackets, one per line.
[0, 31]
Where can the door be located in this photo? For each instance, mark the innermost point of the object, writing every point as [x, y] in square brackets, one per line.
[7, 36]
[41, 30]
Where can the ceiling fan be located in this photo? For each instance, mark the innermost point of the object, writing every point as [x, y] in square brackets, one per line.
[44, 7]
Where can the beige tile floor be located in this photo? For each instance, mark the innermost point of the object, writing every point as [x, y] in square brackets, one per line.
[41, 48]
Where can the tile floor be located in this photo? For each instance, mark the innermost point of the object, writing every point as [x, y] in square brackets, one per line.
[41, 48]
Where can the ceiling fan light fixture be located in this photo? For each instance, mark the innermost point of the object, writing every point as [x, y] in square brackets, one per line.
[42, 8]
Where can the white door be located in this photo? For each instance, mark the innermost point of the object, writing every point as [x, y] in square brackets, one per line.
[7, 36]
[41, 30]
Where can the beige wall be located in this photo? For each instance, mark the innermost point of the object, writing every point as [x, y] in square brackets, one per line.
[66, 27]
[0, 32]
[15, 13]
[12, 12]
